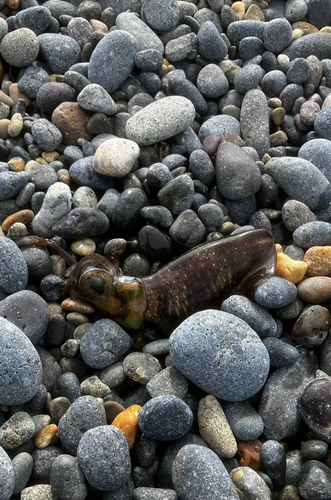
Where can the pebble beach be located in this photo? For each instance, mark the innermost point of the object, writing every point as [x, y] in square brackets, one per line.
[131, 132]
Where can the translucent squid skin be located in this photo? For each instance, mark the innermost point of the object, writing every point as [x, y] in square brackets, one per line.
[201, 278]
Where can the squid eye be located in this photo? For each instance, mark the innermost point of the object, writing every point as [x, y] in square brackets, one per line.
[95, 284]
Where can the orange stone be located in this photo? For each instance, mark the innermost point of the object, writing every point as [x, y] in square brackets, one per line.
[24, 216]
[72, 121]
[16, 164]
[289, 269]
[47, 436]
[15, 94]
[13, 4]
[249, 453]
[127, 422]
[318, 260]
[78, 306]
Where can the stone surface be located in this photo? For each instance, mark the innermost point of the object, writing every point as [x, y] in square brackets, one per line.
[254, 121]
[71, 120]
[115, 157]
[314, 407]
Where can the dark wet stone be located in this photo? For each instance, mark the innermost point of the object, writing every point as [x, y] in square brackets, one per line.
[155, 244]
[188, 230]
[315, 481]
[177, 195]
[314, 407]
[280, 353]
[312, 327]
[273, 459]
[82, 222]
[314, 450]
[126, 211]
[250, 484]
[51, 94]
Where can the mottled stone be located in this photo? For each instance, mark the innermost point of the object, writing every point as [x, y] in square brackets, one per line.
[115, 157]
[254, 121]
[71, 120]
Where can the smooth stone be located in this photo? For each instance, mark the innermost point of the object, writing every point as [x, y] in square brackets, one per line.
[20, 366]
[56, 204]
[315, 481]
[314, 407]
[103, 454]
[211, 45]
[215, 429]
[314, 450]
[94, 98]
[289, 269]
[188, 230]
[104, 343]
[256, 316]
[316, 44]
[295, 213]
[83, 174]
[315, 290]
[245, 423]
[115, 157]
[165, 418]
[212, 82]
[20, 47]
[302, 181]
[13, 268]
[280, 353]
[220, 378]
[311, 234]
[216, 126]
[178, 49]
[168, 381]
[17, 430]
[85, 413]
[177, 195]
[7, 476]
[143, 34]
[28, 311]
[237, 174]
[277, 35]
[141, 367]
[279, 398]
[46, 135]
[80, 223]
[273, 460]
[242, 29]
[67, 479]
[23, 466]
[161, 15]
[199, 473]
[248, 78]
[11, 183]
[58, 52]
[254, 121]
[249, 484]
[275, 292]
[318, 152]
[108, 71]
[160, 120]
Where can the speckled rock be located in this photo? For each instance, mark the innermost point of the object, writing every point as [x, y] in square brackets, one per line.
[95, 98]
[7, 476]
[67, 479]
[115, 157]
[13, 268]
[56, 204]
[72, 121]
[314, 407]
[249, 485]
[198, 473]
[11, 184]
[219, 370]
[143, 34]
[168, 381]
[318, 261]
[59, 52]
[141, 367]
[20, 47]
[38, 492]
[20, 367]
[160, 120]
[254, 121]
[315, 290]
[161, 15]
[315, 481]
[312, 234]
[245, 423]
[214, 428]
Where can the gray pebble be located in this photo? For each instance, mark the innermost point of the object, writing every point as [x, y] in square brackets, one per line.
[188, 230]
[157, 347]
[302, 181]
[248, 78]
[80, 30]
[177, 195]
[17, 430]
[178, 49]
[273, 83]
[58, 52]
[33, 78]
[161, 15]
[23, 466]
[104, 343]
[126, 213]
[20, 47]
[275, 292]
[240, 345]
[254, 121]
[113, 375]
[84, 413]
[211, 216]
[7, 476]
[160, 120]
[84, 197]
[141, 367]
[165, 418]
[273, 459]
[13, 268]
[317, 44]
[83, 173]
[67, 479]
[256, 316]
[280, 353]
[311, 234]
[46, 135]
[241, 210]
[246, 424]
[157, 216]
[94, 98]
[211, 45]
[149, 60]
[277, 35]
[144, 36]
[295, 214]
[242, 29]
[217, 125]
[11, 184]
[318, 152]
[294, 462]
[314, 450]
[103, 454]
[20, 367]
[315, 481]
[212, 82]
[144, 493]
[250, 485]
[43, 176]
[295, 10]
[168, 381]
[36, 18]
[199, 473]
[81, 222]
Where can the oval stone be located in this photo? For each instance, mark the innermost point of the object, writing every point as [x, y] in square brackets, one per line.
[315, 407]
[13, 268]
[115, 157]
[221, 354]
[20, 366]
[160, 120]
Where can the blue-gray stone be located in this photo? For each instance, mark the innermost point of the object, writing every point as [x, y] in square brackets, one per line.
[312, 234]
[17, 430]
[319, 13]
[211, 215]
[241, 210]
[83, 173]
[256, 316]
[67, 479]
[280, 353]
[254, 121]
[165, 418]
[177, 195]
[168, 381]
[33, 78]
[242, 29]
[20, 47]
[85, 413]
[60, 7]
[249, 47]
[13, 268]
[273, 83]
[322, 123]
[149, 60]
[273, 459]
[216, 351]
[23, 466]
[318, 152]
[179, 85]
[198, 472]
[202, 167]
[275, 292]
[302, 181]
[277, 35]
[104, 343]
[103, 454]
[212, 82]
[7, 476]
[295, 214]
[178, 49]
[58, 52]
[161, 15]
[113, 60]
[94, 98]
[46, 135]
[315, 480]
[126, 212]
[217, 125]
[250, 483]
[144, 36]
[81, 222]
[35, 18]
[20, 366]
[248, 78]
[11, 183]
[295, 10]
[211, 45]
[289, 95]
[316, 44]
[28, 311]
[279, 400]
[246, 424]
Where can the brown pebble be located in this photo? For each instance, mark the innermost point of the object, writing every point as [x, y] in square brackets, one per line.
[47, 436]
[99, 26]
[290, 492]
[301, 25]
[16, 164]
[312, 326]
[4, 124]
[254, 13]
[315, 290]
[63, 176]
[72, 121]
[79, 306]
[16, 94]
[23, 216]
[112, 409]
[249, 453]
[318, 260]
[210, 144]
[2, 71]
[278, 139]
[50, 156]
[16, 125]
[6, 99]
[230, 135]
[13, 4]
[239, 9]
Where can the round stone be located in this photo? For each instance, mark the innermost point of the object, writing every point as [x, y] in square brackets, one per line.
[46, 135]
[217, 351]
[275, 292]
[59, 52]
[20, 48]
[115, 157]
[103, 454]
[314, 406]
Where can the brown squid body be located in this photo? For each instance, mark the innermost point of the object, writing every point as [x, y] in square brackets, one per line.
[200, 279]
